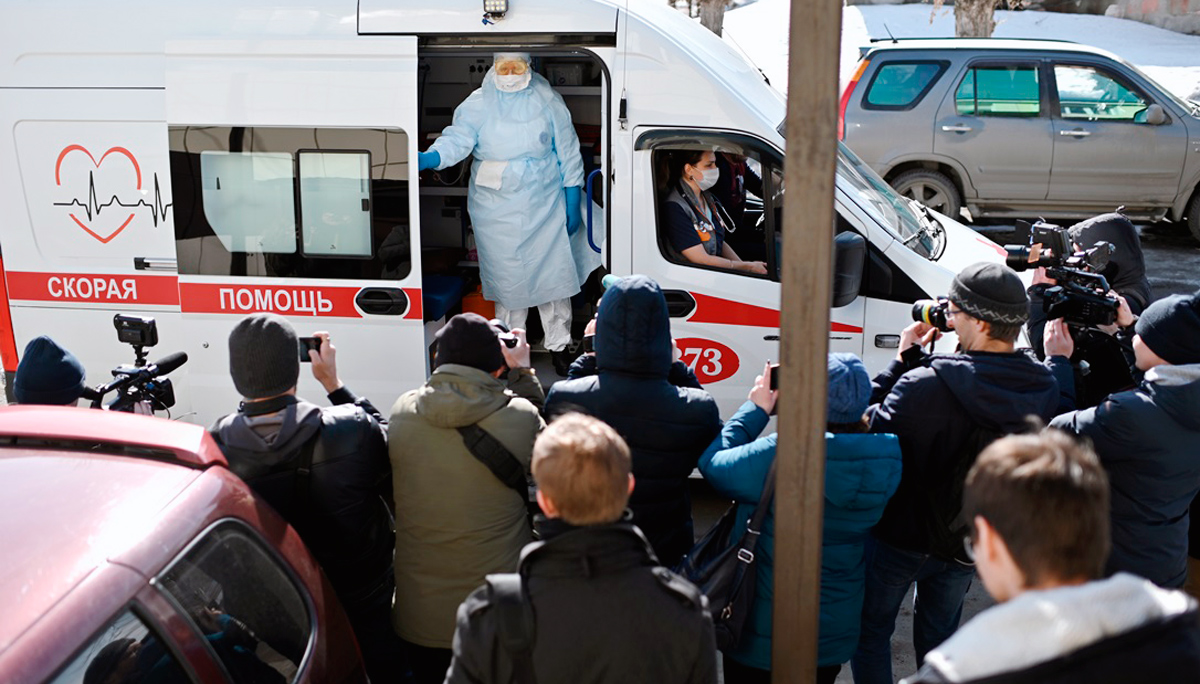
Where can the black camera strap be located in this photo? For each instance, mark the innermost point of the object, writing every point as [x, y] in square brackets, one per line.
[490, 452]
[265, 406]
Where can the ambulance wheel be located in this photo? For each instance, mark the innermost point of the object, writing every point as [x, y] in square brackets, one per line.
[931, 188]
[1193, 215]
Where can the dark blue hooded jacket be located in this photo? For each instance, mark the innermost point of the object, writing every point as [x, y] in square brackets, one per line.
[1148, 440]
[667, 427]
[933, 406]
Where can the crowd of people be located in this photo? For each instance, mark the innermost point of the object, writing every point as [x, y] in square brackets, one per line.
[483, 528]
[487, 531]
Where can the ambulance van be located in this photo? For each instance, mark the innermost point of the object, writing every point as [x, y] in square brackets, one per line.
[199, 161]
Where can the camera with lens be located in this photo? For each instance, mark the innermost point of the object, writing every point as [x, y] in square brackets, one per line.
[935, 312]
[140, 382]
[1080, 295]
[507, 337]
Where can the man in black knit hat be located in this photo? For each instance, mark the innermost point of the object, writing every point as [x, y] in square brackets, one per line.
[945, 408]
[1148, 439]
[325, 470]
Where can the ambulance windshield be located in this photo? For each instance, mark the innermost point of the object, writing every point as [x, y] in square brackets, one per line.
[894, 212]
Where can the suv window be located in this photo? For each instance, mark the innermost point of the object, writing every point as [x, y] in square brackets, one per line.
[1085, 92]
[901, 85]
[999, 90]
[250, 612]
[125, 651]
[291, 202]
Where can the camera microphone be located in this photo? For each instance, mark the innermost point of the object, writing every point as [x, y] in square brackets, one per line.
[168, 363]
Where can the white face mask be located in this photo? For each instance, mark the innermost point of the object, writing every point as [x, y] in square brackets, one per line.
[709, 178]
[513, 82]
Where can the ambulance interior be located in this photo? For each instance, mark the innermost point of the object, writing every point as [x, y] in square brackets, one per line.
[450, 272]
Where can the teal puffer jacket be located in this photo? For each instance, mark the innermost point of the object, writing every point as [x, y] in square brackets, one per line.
[862, 472]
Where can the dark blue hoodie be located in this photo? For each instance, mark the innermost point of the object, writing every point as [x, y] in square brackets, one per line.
[667, 427]
[1148, 440]
[934, 407]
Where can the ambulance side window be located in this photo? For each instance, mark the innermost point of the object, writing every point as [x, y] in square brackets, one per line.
[291, 202]
[747, 195]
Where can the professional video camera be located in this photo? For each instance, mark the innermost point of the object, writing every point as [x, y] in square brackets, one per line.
[1080, 295]
[140, 382]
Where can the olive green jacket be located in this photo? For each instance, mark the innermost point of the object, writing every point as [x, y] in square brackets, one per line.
[455, 521]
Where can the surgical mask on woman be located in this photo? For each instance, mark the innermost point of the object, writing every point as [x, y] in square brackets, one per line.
[708, 178]
[513, 82]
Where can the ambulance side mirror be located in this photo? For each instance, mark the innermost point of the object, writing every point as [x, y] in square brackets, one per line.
[849, 259]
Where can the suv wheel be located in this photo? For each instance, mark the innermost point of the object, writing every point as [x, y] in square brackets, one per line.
[931, 188]
[1193, 215]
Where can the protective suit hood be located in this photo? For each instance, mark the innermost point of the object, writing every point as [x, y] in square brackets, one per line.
[633, 330]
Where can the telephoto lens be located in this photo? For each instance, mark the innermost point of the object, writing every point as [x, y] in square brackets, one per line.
[933, 312]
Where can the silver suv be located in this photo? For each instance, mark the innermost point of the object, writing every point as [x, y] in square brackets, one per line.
[1023, 128]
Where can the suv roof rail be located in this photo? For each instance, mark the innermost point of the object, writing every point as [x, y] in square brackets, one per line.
[933, 38]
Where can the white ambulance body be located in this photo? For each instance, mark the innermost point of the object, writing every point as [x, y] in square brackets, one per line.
[197, 161]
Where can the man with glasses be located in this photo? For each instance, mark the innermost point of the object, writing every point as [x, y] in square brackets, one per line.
[945, 408]
[1037, 506]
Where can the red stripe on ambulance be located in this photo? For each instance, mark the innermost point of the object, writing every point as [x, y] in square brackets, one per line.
[711, 309]
[219, 298]
[93, 288]
[286, 300]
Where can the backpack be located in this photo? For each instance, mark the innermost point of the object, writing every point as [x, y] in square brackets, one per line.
[945, 525]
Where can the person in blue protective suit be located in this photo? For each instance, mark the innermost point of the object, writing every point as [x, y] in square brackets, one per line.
[524, 198]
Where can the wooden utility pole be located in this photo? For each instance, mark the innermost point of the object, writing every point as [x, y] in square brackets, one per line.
[816, 29]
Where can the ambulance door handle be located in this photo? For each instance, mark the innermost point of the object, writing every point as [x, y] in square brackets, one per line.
[155, 264]
[680, 303]
[382, 301]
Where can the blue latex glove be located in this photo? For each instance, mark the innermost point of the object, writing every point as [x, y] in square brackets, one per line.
[573, 195]
[428, 160]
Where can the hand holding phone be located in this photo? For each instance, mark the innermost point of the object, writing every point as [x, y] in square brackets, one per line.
[762, 394]
[308, 344]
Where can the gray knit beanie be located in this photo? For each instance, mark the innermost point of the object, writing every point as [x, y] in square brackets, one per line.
[990, 292]
[264, 356]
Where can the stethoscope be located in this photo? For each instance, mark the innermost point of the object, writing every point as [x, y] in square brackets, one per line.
[701, 222]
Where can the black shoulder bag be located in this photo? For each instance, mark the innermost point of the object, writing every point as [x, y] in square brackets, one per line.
[722, 567]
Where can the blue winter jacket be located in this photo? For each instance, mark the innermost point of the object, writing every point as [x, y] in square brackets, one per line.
[861, 474]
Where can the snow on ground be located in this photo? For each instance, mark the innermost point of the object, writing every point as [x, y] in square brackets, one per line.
[760, 30]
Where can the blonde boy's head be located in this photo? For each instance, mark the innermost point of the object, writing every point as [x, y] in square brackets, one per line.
[582, 469]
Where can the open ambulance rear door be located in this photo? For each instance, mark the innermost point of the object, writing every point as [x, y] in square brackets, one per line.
[290, 165]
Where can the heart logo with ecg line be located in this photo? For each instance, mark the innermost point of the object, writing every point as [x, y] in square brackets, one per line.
[93, 207]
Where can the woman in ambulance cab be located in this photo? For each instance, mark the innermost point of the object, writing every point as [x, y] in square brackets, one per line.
[695, 222]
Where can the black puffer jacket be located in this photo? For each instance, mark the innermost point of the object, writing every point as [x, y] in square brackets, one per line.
[934, 407]
[1148, 440]
[667, 427]
[344, 521]
[604, 612]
